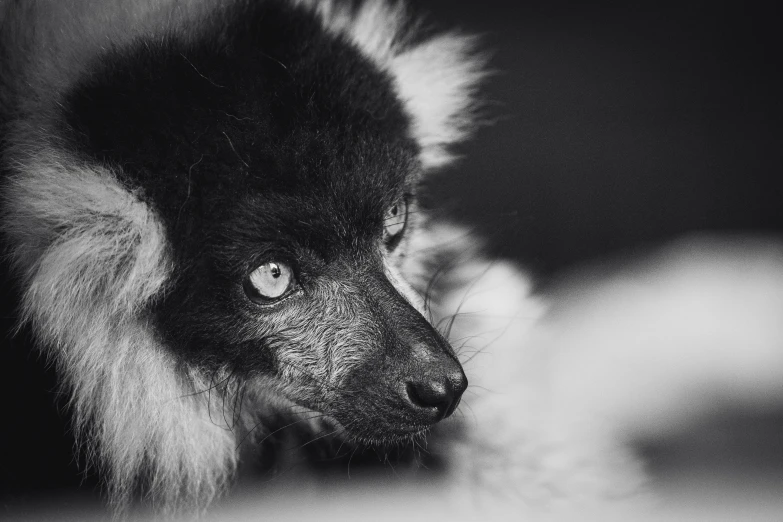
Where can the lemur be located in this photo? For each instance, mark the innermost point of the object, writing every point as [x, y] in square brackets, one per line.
[208, 206]
[212, 214]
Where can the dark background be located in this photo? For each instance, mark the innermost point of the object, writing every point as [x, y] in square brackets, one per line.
[618, 127]
[615, 127]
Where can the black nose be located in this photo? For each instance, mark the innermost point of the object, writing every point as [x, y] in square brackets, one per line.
[436, 397]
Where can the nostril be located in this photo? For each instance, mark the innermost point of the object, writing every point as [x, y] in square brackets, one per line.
[459, 382]
[435, 394]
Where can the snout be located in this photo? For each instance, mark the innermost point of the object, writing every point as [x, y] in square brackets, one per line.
[409, 377]
[434, 386]
[405, 391]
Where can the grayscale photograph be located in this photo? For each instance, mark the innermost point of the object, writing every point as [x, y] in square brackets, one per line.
[419, 260]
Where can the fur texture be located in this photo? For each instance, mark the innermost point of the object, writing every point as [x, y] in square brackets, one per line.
[92, 256]
[437, 79]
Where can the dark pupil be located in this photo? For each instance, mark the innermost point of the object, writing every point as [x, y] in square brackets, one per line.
[395, 210]
[275, 271]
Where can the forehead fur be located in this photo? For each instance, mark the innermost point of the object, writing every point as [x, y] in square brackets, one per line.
[434, 77]
[266, 104]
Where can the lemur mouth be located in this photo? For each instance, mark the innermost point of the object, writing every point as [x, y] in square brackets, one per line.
[359, 428]
[364, 428]
[395, 438]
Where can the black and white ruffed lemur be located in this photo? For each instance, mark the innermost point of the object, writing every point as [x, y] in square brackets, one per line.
[211, 212]
[208, 206]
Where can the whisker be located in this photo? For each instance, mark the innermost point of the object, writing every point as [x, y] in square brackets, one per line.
[319, 437]
[277, 430]
[467, 295]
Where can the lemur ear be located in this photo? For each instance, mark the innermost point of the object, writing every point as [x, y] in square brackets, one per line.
[437, 81]
[436, 78]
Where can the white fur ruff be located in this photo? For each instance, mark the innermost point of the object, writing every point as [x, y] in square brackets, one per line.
[437, 79]
[91, 257]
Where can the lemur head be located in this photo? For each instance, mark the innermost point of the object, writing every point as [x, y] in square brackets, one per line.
[282, 165]
[226, 204]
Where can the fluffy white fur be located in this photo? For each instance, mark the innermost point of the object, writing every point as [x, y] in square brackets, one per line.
[436, 79]
[514, 448]
[561, 384]
[91, 256]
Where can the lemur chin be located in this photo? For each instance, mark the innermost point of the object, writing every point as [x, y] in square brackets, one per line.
[208, 207]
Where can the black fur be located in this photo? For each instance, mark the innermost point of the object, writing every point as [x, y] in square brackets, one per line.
[264, 136]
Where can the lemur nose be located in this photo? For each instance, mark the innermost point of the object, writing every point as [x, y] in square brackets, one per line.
[437, 396]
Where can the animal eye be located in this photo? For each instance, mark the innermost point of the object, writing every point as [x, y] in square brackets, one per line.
[269, 282]
[394, 223]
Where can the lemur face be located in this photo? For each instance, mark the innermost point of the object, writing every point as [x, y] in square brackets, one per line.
[282, 166]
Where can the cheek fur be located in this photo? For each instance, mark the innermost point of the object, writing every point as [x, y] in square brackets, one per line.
[91, 257]
[318, 339]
